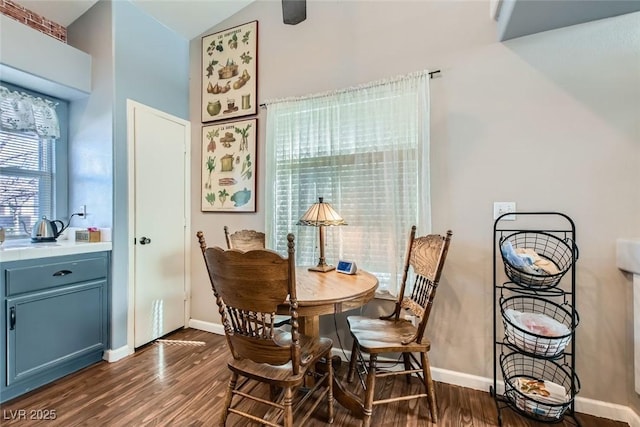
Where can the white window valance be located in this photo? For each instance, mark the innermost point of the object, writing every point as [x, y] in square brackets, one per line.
[22, 112]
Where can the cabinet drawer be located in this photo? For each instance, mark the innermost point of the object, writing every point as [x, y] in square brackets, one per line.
[34, 278]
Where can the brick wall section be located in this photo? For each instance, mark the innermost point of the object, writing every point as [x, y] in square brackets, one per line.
[33, 20]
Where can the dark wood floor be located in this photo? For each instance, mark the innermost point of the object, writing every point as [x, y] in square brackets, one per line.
[168, 384]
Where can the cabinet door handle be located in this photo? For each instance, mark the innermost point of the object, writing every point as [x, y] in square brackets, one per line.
[12, 318]
[62, 272]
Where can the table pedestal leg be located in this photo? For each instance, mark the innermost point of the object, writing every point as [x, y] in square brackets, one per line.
[309, 326]
[348, 399]
[344, 397]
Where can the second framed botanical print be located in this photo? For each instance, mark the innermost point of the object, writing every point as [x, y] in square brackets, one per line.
[229, 166]
[229, 73]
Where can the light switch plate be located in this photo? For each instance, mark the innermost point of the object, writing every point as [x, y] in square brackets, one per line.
[500, 208]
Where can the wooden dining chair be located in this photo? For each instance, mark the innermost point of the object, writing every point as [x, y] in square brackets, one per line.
[249, 287]
[245, 240]
[395, 334]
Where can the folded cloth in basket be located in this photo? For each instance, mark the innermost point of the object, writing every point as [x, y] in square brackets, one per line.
[537, 323]
[521, 262]
[541, 263]
[537, 332]
[542, 391]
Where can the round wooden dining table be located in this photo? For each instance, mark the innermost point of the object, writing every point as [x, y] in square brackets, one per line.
[328, 293]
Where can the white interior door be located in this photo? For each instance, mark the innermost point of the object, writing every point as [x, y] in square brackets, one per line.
[160, 221]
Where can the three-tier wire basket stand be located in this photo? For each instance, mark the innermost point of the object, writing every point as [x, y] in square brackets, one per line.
[535, 316]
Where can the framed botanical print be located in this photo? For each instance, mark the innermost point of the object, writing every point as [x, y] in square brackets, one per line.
[229, 166]
[229, 73]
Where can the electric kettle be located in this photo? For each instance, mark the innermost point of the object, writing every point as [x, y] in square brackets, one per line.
[46, 231]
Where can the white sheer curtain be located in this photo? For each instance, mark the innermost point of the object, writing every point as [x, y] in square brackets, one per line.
[22, 112]
[366, 151]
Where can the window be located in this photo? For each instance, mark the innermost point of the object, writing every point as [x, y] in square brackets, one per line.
[365, 151]
[32, 151]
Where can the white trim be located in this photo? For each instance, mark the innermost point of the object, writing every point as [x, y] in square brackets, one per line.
[214, 328]
[117, 354]
[596, 408]
[608, 410]
[632, 417]
[464, 380]
[131, 308]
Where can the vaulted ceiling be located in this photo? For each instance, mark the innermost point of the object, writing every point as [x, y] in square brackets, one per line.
[190, 18]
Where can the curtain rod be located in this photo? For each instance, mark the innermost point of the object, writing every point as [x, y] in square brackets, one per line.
[431, 74]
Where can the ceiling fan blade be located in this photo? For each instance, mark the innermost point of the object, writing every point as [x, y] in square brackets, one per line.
[294, 11]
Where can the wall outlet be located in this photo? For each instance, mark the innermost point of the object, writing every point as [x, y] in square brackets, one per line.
[83, 211]
[501, 208]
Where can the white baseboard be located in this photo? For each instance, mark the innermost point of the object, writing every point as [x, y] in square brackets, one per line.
[597, 408]
[117, 354]
[114, 355]
[633, 417]
[583, 405]
[214, 328]
[464, 380]
[611, 411]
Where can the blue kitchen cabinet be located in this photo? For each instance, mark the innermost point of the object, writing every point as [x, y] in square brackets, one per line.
[55, 319]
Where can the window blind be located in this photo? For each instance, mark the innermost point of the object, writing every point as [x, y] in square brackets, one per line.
[363, 150]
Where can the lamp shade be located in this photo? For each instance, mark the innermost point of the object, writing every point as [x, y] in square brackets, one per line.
[321, 214]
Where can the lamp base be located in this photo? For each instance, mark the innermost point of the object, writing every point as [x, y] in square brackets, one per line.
[322, 268]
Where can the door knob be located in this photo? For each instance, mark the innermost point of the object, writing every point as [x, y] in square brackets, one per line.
[144, 240]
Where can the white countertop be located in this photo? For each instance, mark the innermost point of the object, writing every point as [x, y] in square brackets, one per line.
[24, 249]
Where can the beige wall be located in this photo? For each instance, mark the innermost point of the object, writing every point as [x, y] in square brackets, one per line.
[550, 121]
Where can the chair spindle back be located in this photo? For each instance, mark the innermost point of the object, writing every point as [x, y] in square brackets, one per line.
[425, 256]
[244, 240]
[249, 287]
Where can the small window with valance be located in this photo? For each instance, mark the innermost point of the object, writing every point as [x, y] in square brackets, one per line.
[32, 137]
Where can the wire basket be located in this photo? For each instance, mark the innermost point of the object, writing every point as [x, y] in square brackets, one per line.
[549, 247]
[557, 380]
[538, 326]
